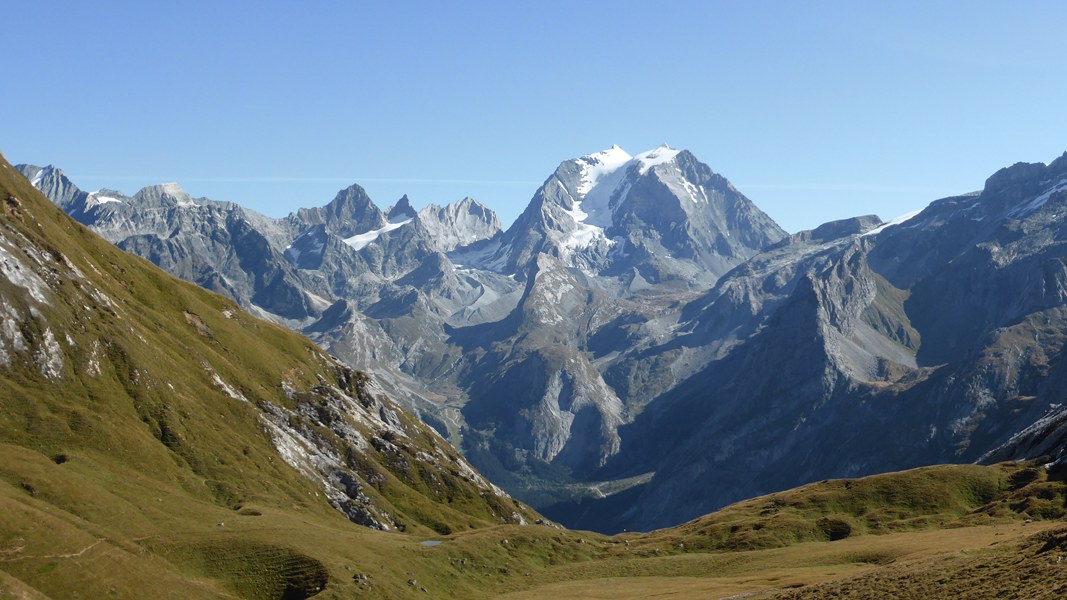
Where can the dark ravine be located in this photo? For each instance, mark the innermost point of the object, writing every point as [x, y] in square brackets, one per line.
[644, 323]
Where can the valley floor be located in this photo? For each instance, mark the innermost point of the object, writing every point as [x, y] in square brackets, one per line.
[916, 564]
[76, 531]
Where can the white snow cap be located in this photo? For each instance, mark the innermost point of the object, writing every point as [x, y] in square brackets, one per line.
[660, 155]
[603, 178]
[603, 172]
[601, 164]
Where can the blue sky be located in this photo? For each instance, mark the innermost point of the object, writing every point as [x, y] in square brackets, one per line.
[815, 110]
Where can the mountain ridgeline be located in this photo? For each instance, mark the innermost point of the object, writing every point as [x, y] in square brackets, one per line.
[643, 344]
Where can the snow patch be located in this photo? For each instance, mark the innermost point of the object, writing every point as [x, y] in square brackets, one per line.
[604, 179]
[584, 234]
[897, 221]
[603, 174]
[597, 166]
[317, 247]
[360, 241]
[96, 199]
[692, 190]
[36, 181]
[1031, 207]
[659, 156]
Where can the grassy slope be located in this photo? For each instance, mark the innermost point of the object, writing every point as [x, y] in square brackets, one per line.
[146, 480]
[136, 468]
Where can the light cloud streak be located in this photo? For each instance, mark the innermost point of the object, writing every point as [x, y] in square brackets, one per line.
[354, 179]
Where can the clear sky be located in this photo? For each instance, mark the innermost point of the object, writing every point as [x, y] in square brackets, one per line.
[815, 110]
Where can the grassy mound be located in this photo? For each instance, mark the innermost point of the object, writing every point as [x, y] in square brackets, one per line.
[918, 499]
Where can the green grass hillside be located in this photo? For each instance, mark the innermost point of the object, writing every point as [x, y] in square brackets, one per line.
[156, 441]
[134, 406]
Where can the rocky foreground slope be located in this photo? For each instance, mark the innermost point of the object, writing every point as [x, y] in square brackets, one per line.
[643, 344]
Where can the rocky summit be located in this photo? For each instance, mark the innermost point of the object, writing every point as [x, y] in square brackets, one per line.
[644, 344]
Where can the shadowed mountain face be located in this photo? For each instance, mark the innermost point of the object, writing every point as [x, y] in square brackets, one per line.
[644, 345]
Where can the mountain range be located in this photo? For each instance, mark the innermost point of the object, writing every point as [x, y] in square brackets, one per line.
[643, 344]
[156, 439]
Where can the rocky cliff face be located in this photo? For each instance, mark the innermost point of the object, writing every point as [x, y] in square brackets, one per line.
[643, 328]
[933, 340]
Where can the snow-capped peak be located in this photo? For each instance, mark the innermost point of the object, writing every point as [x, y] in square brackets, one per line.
[596, 167]
[604, 177]
[660, 155]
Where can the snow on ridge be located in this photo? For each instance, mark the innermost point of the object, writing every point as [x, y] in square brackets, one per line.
[658, 156]
[585, 234]
[1031, 207]
[596, 166]
[604, 177]
[361, 240]
[96, 199]
[897, 221]
[39, 176]
[602, 174]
